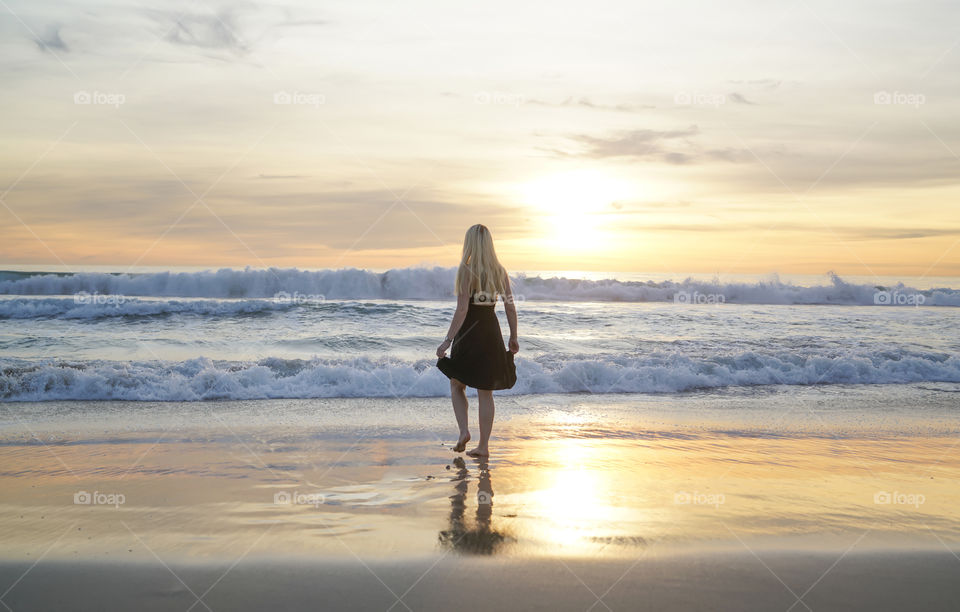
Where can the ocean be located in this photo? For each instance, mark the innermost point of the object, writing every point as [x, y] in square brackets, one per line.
[297, 334]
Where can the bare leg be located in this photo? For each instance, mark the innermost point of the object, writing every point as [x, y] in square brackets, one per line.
[458, 395]
[486, 423]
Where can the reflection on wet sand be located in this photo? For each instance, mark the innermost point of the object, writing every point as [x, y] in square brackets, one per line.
[559, 493]
[481, 538]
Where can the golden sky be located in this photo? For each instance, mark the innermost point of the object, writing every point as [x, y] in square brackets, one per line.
[621, 136]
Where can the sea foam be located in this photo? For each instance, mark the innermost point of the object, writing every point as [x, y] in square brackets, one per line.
[204, 379]
[436, 284]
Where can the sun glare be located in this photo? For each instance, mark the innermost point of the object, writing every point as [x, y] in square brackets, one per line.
[572, 204]
[576, 505]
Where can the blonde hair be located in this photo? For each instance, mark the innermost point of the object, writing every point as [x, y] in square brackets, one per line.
[480, 270]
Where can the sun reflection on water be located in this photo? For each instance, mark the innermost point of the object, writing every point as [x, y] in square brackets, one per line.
[576, 508]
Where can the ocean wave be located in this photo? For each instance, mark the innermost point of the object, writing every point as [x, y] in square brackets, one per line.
[308, 286]
[111, 306]
[204, 379]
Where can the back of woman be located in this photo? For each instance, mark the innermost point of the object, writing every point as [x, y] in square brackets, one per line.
[478, 357]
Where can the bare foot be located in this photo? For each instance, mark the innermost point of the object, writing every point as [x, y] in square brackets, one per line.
[462, 443]
[479, 452]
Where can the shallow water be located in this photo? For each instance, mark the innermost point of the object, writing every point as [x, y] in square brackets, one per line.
[570, 476]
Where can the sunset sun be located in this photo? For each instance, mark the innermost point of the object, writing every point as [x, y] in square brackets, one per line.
[572, 205]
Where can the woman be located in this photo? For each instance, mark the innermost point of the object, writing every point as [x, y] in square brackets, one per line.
[477, 356]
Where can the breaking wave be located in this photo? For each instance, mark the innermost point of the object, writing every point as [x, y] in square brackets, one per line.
[204, 379]
[311, 286]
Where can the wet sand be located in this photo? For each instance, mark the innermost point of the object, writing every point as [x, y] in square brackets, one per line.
[683, 502]
[786, 580]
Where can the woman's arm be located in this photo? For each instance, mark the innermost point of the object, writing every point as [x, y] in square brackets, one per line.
[463, 302]
[509, 304]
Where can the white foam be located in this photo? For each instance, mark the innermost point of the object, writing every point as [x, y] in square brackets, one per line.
[204, 379]
[436, 283]
[69, 308]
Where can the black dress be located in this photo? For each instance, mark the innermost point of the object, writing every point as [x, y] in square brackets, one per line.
[478, 357]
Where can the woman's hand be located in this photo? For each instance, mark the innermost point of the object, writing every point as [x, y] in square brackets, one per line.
[514, 345]
[442, 349]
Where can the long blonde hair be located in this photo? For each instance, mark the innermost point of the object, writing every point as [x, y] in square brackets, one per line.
[480, 270]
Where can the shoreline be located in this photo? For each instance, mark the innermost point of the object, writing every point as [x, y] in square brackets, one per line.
[307, 496]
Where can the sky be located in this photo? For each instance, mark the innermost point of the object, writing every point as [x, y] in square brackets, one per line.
[741, 137]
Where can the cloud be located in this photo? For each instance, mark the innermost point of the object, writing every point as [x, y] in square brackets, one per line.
[635, 143]
[586, 103]
[900, 234]
[740, 98]
[207, 32]
[767, 84]
[233, 29]
[51, 40]
[730, 154]
[369, 219]
[843, 233]
[657, 207]
[267, 216]
[670, 146]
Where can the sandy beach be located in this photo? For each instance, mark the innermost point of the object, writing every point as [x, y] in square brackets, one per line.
[622, 502]
[786, 580]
